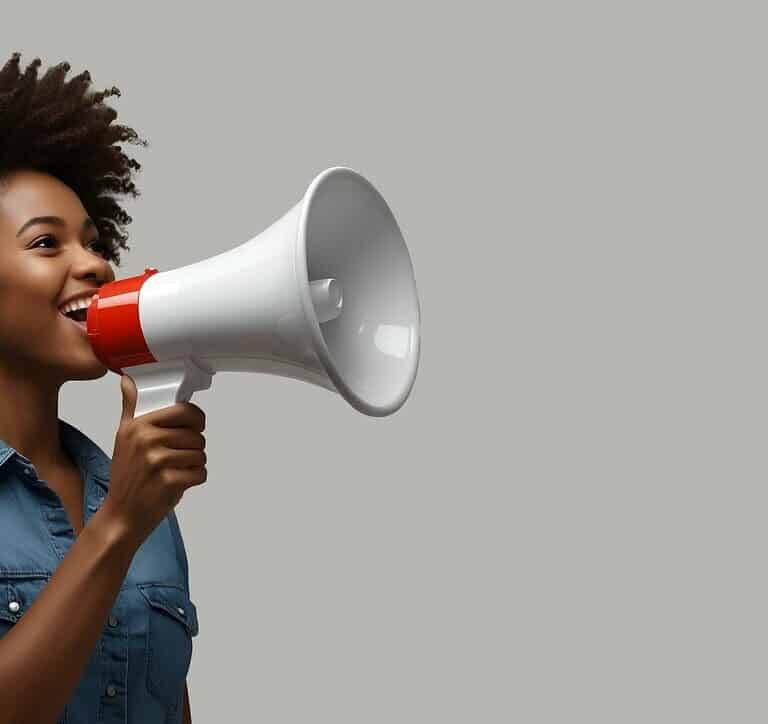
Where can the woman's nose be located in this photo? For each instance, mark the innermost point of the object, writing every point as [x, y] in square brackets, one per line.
[89, 264]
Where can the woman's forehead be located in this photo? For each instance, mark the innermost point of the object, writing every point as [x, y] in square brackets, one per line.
[30, 193]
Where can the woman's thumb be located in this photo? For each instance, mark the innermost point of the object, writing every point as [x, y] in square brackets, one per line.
[128, 388]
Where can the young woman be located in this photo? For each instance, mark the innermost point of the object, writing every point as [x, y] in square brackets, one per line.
[96, 621]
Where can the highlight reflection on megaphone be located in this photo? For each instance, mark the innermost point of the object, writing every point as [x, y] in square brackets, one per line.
[326, 295]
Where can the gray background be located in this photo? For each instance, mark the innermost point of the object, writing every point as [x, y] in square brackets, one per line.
[565, 520]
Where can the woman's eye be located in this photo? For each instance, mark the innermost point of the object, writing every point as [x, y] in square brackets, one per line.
[42, 238]
[98, 245]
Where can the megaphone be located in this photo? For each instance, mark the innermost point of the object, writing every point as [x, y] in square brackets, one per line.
[326, 295]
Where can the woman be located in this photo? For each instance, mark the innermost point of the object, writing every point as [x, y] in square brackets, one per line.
[96, 623]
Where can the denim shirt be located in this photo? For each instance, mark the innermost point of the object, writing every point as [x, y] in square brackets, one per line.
[137, 670]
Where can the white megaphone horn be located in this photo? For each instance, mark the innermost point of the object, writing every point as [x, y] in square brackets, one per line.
[326, 295]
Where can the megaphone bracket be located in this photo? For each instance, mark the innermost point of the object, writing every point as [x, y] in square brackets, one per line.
[162, 384]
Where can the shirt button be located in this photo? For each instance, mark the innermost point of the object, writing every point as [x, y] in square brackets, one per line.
[113, 621]
[180, 610]
[27, 471]
[14, 606]
[111, 691]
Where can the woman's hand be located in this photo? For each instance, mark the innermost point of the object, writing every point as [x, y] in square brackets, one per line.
[157, 457]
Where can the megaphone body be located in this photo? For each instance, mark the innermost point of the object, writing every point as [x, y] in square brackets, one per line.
[326, 295]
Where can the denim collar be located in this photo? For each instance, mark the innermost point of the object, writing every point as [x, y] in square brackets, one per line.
[88, 456]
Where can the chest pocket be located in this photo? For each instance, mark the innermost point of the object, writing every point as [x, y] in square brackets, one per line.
[171, 624]
[18, 592]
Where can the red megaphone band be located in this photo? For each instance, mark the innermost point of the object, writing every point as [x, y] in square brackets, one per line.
[114, 329]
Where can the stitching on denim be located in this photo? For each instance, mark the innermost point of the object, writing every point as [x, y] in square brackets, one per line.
[150, 681]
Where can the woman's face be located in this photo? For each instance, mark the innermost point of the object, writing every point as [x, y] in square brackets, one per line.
[40, 267]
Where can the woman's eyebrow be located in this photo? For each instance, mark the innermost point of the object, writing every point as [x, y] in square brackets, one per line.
[57, 221]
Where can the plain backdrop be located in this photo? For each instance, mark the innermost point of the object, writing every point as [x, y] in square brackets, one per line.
[565, 522]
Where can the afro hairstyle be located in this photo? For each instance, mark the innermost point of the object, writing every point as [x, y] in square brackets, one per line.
[56, 126]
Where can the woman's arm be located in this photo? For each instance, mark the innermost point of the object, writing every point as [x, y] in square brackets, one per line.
[187, 716]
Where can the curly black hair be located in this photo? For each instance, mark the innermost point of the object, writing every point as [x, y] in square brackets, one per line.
[54, 126]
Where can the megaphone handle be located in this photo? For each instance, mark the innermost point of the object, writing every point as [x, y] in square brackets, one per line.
[162, 384]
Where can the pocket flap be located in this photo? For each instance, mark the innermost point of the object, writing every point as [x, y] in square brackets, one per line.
[18, 592]
[173, 600]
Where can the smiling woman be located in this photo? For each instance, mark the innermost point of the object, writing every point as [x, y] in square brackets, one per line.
[102, 626]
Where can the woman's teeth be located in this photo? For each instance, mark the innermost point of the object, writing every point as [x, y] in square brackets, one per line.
[82, 303]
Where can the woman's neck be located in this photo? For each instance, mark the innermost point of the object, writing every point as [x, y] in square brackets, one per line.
[29, 420]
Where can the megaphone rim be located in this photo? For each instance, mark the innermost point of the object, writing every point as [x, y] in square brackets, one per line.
[306, 300]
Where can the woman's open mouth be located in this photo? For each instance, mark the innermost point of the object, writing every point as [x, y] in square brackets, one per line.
[78, 318]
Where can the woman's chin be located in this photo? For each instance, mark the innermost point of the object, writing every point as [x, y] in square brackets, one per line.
[100, 372]
[90, 370]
